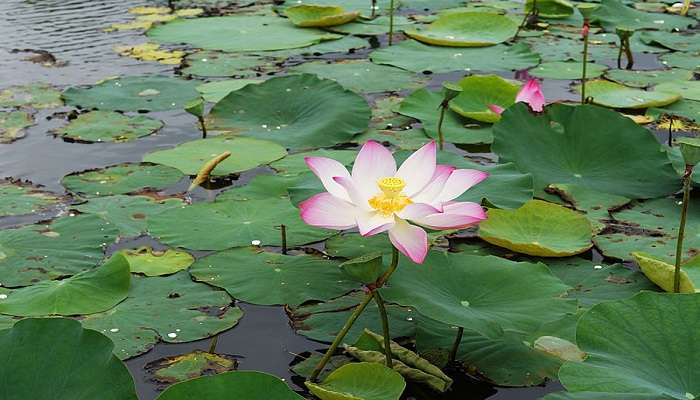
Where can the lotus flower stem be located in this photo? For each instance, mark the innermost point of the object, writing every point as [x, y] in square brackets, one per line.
[355, 315]
[441, 137]
[391, 23]
[585, 60]
[670, 131]
[374, 8]
[527, 16]
[213, 343]
[283, 232]
[455, 346]
[681, 229]
[171, 5]
[203, 125]
[686, 7]
[385, 328]
[204, 173]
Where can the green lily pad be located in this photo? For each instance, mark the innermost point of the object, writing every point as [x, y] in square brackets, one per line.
[663, 273]
[261, 187]
[307, 112]
[614, 95]
[360, 381]
[636, 357]
[12, 124]
[238, 33]
[109, 126]
[674, 41]
[312, 15]
[200, 226]
[594, 204]
[362, 6]
[250, 275]
[651, 227]
[405, 139]
[249, 385]
[306, 366]
[506, 187]
[373, 27]
[246, 153]
[129, 214]
[688, 89]
[466, 29]
[122, 179]
[215, 91]
[192, 365]
[362, 76]
[685, 108]
[551, 8]
[19, 198]
[478, 92]
[149, 262]
[555, 48]
[88, 292]
[415, 56]
[567, 70]
[64, 247]
[688, 61]
[599, 137]
[488, 294]
[36, 95]
[344, 45]
[613, 13]
[647, 78]
[79, 366]
[170, 308]
[294, 164]
[134, 93]
[538, 228]
[217, 64]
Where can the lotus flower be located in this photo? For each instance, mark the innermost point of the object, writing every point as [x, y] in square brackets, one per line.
[530, 93]
[376, 197]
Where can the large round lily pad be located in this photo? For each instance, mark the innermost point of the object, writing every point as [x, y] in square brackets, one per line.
[248, 385]
[121, 179]
[614, 95]
[108, 126]
[418, 57]
[218, 64]
[312, 15]
[149, 262]
[64, 247]
[614, 13]
[582, 145]
[550, 8]
[269, 278]
[216, 90]
[646, 78]
[170, 308]
[688, 89]
[20, 198]
[174, 369]
[480, 91]
[246, 153]
[88, 292]
[298, 111]
[35, 95]
[567, 70]
[237, 33]
[687, 61]
[360, 381]
[643, 346]
[74, 363]
[466, 29]
[12, 124]
[538, 228]
[134, 93]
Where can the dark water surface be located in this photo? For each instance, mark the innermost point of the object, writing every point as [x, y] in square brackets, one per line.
[72, 31]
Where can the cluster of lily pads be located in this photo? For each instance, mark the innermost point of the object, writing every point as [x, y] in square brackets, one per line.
[564, 280]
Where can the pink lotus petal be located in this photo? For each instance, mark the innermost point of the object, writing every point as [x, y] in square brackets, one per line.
[325, 169]
[416, 211]
[373, 162]
[327, 211]
[497, 109]
[459, 182]
[410, 240]
[455, 216]
[357, 197]
[531, 93]
[418, 169]
[372, 223]
[437, 182]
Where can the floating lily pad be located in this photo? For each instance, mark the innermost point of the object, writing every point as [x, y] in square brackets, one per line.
[88, 292]
[64, 247]
[488, 294]
[636, 357]
[298, 111]
[344, 45]
[688, 89]
[689, 61]
[360, 381]
[599, 137]
[12, 124]
[614, 95]
[613, 13]
[550, 8]
[538, 228]
[383, 6]
[246, 154]
[261, 187]
[249, 385]
[506, 187]
[567, 70]
[134, 93]
[151, 262]
[217, 90]
[35, 95]
[20, 198]
[312, 15]
[593, 203]
[109, 126]
[651, 227]
[406, 139]
[685, 108]
[663, 273]
[674, 41]
[362, 75]
[79, 366]
[192, 365]
[218, 64]
[294, 164]
[268, 278]
[647, 78]
[373, 27]
[555, 48]
[480, 91]
[418, 57]
[200, 226]
[466, 29]
[238, 33]
[122, 179]
[170, 308]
